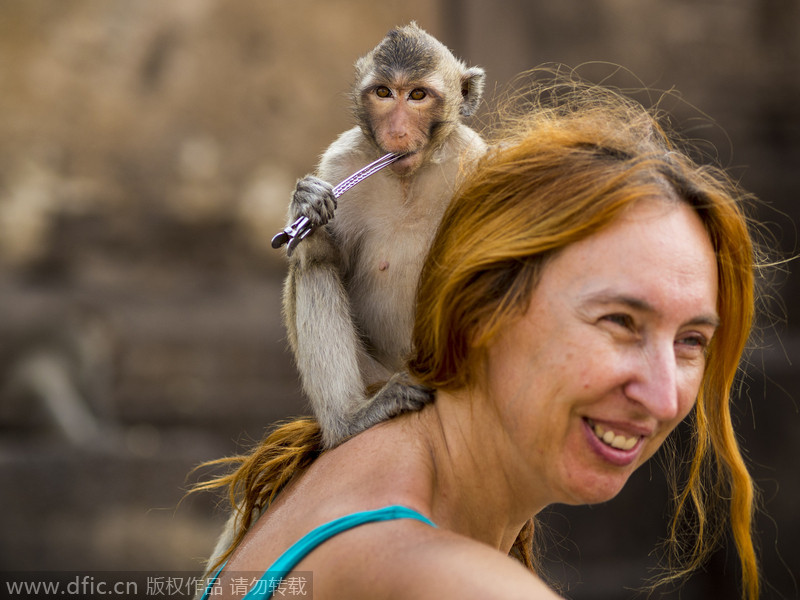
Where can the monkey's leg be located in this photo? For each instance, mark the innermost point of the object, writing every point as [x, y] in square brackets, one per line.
[397, 396]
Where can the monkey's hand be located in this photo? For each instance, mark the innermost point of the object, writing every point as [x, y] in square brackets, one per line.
[313, 198]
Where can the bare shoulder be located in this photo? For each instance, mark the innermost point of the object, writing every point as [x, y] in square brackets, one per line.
[411, 560]
[457, 567]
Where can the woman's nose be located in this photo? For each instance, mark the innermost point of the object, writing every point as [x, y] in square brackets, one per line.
[653, 381]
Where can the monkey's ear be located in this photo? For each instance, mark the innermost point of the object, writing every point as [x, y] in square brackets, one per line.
[471, 90]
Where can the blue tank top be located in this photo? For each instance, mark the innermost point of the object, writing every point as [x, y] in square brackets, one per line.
[265, 587]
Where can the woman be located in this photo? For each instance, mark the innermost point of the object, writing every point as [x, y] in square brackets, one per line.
[589, 288]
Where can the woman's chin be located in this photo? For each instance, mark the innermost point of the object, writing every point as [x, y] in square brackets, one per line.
[596, 493]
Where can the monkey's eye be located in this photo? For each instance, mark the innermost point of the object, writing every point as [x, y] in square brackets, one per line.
[383, 92]
[417, 94]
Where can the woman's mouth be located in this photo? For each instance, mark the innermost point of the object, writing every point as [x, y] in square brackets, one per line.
[612, 438]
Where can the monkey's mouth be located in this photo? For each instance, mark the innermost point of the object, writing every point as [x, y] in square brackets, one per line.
[408, 161]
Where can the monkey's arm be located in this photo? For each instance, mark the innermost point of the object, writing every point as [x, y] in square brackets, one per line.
[313, 196]
[322, 336]
[327, 347]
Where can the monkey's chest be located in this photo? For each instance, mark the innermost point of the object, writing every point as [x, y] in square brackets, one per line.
[383, 284]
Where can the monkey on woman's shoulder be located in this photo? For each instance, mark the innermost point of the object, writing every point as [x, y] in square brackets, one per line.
[349, 294]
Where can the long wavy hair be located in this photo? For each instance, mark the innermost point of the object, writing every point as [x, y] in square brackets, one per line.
[571, 161]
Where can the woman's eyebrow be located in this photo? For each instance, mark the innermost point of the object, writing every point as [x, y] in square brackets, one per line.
[606, 298]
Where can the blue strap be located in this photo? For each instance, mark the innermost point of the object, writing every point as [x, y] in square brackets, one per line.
[302, 547]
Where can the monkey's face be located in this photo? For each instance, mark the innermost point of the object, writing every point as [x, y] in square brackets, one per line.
[404, 117]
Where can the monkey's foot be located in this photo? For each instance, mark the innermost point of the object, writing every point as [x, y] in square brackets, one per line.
[397, 396]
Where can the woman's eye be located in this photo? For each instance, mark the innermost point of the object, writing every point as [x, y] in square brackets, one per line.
[417, 94]
[694, 340]
[383, 92]
[692, 346]
[623, 320]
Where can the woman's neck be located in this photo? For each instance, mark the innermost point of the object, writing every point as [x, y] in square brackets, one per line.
[472, 485]
[439, 464]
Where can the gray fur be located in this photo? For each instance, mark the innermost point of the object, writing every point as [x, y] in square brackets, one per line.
[411, 52]
[397, 396]
[348, 318]
[349, 293]
[313, 198]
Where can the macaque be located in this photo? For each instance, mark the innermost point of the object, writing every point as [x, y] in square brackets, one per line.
[349, 294]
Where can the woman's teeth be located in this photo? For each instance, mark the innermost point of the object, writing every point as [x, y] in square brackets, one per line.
[613, 439]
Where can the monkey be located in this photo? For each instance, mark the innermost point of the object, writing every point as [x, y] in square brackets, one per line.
[348, 298]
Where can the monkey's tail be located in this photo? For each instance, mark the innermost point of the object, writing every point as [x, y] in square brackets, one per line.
[257, 478]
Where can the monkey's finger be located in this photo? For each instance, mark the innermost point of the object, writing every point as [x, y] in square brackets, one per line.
[320, 196]
[315, 186]
[330, 205]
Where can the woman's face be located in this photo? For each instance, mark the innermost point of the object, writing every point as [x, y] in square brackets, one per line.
[610, 354]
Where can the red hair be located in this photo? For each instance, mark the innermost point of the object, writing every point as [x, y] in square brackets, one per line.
[566, 172]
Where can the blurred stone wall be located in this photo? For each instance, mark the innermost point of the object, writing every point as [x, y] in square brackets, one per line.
[147, 152]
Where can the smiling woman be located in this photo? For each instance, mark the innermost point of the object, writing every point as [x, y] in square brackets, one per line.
[589, 288]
